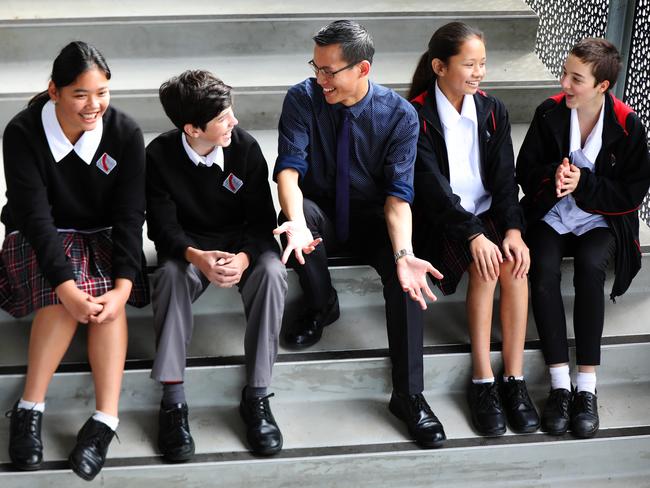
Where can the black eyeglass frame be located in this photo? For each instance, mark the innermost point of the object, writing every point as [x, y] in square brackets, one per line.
[326, 72]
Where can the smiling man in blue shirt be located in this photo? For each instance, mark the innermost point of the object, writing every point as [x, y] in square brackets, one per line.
[346, 154]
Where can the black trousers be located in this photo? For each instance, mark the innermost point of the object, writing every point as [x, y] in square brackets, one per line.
[368, 238]
[592, 253]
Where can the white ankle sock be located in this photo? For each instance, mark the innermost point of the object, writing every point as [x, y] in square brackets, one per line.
[109, 420]
[480, 381]
[586, 382]
[39, 407]
[560, 377]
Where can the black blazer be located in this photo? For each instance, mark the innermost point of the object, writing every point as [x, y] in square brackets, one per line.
[437, 208]
[616, 188]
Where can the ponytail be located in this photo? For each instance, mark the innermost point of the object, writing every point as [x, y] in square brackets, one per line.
[422, 77]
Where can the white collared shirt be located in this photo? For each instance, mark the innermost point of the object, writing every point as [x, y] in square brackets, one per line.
[60, 145]
[566, 216]
[213, 157]
[461, 139]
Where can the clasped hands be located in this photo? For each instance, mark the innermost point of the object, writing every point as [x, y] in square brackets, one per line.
[567, 176]
[222, 269]
[85, 308]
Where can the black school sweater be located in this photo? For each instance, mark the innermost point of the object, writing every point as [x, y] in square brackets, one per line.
[43, 195]
[188, 205]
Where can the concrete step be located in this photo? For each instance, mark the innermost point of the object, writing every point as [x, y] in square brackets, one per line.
[614, 459]
[261, 32]
[44, 10]
[331, 408]
[260, 82]
[219, 323]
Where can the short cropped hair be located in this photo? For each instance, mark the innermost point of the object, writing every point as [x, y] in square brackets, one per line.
[602, 56]
[355, 41]
[194, 97]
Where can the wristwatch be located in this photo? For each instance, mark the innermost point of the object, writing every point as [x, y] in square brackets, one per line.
[401, 253]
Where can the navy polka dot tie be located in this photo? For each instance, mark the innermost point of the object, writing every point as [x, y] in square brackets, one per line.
[343, 177]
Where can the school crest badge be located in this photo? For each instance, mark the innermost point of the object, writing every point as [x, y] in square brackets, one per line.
[106, 163]
[232, 183]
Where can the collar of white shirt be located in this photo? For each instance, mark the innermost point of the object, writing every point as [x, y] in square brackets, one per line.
[213, 157]
[60, 146]
[449, 116]
[595, 139]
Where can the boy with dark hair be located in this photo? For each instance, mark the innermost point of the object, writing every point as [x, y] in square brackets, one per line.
[346, 152]
[584, 169]
[211, 217]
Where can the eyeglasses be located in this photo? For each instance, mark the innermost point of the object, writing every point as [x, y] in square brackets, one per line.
[326, 72]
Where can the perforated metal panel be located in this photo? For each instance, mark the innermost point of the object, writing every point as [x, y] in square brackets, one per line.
[562, 23]
[637, 85]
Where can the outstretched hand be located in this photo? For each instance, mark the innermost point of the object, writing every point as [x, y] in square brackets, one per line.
[412, 276]
[299, 240]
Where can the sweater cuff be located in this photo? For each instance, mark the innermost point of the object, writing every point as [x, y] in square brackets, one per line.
[126, 272]
[57, 276]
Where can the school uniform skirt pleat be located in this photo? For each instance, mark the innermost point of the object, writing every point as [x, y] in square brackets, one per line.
[455, 256]
[23, 287]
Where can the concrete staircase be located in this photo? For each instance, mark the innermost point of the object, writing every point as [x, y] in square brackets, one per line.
[331, 401]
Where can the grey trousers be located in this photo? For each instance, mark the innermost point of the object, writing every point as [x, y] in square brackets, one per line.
[178, 284]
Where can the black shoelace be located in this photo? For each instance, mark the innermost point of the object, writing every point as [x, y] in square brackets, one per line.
[418, 403]
[584, 403]
[101, 438]
[25, 421]
[561, 401]
[261, 408]
[177, 418]
[517, 392]
[488, 397]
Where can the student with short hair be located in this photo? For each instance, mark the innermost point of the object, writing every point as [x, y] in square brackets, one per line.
[345, 182]
[468, 218]
[74, 168]
[211, 217]
[584, 170]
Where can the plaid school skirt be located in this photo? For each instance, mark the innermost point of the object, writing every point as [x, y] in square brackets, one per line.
[23, 288]
[456, 257]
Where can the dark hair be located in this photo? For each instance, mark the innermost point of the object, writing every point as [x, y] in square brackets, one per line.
[602, 56]
[356, 43]
[445, 43]
[194, 97]
[73, 60]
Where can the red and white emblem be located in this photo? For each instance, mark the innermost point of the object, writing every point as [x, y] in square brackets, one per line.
[106, 163]
[232, 183]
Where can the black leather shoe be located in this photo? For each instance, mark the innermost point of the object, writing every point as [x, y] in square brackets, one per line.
[423, 426]
[89, 455]
[308, 327]
[486, 409]
[25, 445]
[520, 411]
[557, 412]
[262, 433]
[174, 439]
[584, 415]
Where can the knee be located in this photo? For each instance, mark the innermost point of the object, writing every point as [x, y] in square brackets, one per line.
[588, 271]
[483, 283]
[270, 270]
[167, 276]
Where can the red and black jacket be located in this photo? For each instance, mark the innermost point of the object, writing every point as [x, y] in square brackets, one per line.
[437, 208]
[615, 189]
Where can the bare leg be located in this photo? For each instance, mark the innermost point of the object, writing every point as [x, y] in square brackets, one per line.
[107, 352]
[52, 330]
[514, 317]
[480, 296]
